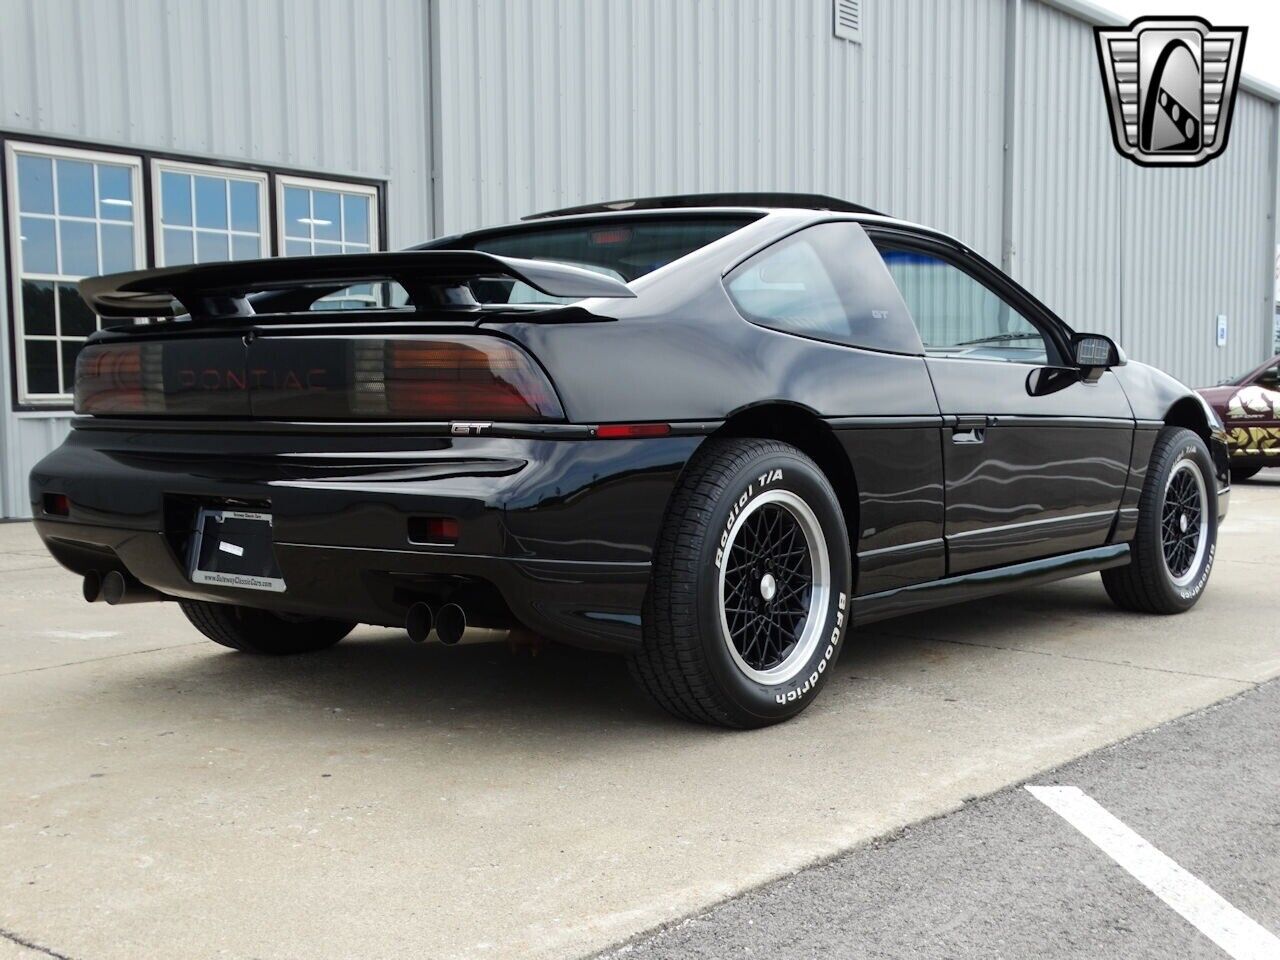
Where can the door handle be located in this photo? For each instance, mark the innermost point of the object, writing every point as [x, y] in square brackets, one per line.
[970, 429]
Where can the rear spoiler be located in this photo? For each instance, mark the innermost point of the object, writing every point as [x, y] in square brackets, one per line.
[222, 289]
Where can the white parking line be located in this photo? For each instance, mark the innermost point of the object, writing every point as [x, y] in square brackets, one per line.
[1218, 920]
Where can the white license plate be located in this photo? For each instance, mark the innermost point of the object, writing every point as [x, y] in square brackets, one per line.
[232, 548]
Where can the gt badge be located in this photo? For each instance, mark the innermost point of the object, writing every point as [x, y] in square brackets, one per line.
[460, 429]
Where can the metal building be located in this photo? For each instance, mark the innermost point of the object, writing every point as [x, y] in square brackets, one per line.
[145, 132]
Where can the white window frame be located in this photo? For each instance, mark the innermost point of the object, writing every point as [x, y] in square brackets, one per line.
[162, 166]
[340, 186]
[12, 149]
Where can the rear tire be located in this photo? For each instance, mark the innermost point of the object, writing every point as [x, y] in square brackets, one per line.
[260, 631]
[1239, 474]
[1174, 546]
[748, 600]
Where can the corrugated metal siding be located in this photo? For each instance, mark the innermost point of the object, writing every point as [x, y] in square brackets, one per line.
[1148, 256]
[1195, 245]
[1066, 193]
[334, 86]
[337, 87]
[549, 103]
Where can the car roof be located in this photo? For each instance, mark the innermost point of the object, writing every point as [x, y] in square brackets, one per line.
[725, 203]
[680, 201]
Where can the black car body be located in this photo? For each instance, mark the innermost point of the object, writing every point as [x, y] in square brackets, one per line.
[512, 442]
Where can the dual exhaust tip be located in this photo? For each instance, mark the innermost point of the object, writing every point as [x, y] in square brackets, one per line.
[116, 588]
[449, 622]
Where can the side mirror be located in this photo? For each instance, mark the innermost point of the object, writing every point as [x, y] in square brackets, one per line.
[1094, 353]
[1043, 381]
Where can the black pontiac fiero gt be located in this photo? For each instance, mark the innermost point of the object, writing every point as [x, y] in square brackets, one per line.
[714, 434]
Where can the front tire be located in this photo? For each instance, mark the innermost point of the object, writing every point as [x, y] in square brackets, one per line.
[259, 631]
[749, 597]
[1174, 546]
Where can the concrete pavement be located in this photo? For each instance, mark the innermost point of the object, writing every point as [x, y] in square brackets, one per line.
[160, 796]
[1006, 877]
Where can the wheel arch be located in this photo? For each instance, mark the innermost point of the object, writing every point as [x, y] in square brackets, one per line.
[811, 435]
[1187, 412]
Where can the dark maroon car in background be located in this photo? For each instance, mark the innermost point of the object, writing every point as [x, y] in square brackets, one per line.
[1249, 408]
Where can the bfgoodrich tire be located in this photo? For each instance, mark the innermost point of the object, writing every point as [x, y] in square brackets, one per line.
[748, 603]
[1173, 549]
[259, 631]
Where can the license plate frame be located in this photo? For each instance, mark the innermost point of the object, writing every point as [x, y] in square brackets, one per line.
[233, 548]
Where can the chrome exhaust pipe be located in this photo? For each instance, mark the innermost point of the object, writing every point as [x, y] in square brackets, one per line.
[419, 621]
[118, 589]
[91, 587]
[451, 623]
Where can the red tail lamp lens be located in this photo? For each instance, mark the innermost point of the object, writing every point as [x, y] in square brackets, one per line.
[466, 378]
[119, 379]
[618, 431]
[57, 504]
[434, 529]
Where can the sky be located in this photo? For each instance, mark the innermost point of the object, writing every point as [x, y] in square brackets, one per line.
[1262, 17]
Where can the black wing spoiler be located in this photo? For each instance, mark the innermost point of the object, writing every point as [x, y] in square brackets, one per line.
[222, 289]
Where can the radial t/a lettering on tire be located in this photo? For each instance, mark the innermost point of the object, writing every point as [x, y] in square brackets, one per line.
[748, 605]
[1177, 536]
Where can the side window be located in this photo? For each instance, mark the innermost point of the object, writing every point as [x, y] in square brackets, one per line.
[1270, 378]
[957, 316]
[825, 282]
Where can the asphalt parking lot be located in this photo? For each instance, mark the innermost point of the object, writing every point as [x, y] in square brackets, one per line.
[162, 797]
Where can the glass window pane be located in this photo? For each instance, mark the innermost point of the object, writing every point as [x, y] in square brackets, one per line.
[355, 218]
[37, 307]
[325, 249]
[355, 248]
[70, 350]
[175, 199]
[115, 192]
[178, 247]
[79, 243]
[245, 248]
[42, 366]
[75, 188]
[211, 247]
[38, 254]
[117, 247]
[35, 184]
[211, 202]
[244, 206]
[77, 319]
[297, 248]
[957, 315]
[326, 209]
[297, 212]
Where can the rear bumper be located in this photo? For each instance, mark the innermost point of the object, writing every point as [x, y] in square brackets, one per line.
[558, 532]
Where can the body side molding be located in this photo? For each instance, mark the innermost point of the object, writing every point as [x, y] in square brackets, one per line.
[986, 583]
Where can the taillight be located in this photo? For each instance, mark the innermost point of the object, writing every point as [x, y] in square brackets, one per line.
[119, 378]
[462, 378]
